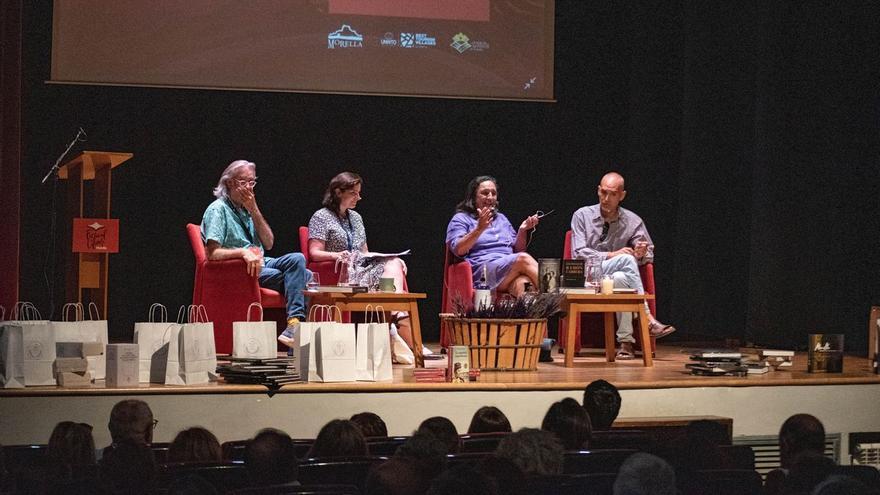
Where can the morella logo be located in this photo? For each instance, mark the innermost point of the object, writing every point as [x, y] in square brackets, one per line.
[345, 37]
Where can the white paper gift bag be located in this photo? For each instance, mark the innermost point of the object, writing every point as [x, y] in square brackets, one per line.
[79, 329]
[153, 339]
[11, 355]
[373, 353]
[335, 349]
[254, 339]
[304, 342]
[37, 344]
[195, 351]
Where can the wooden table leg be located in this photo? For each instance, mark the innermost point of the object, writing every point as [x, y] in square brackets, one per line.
[646, 337]
[610, 338]
[416, 334]
[573, 315]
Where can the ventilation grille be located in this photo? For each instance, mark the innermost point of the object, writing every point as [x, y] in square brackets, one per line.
[766, 449]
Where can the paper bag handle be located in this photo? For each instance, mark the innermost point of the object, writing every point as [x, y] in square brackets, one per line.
[25, 311]
[251, 305]
[2, 313]
[77, 312]
[198, 313]
[97, 313]
[380, 314]
[182, 314]
[163, 313]
[338, 312]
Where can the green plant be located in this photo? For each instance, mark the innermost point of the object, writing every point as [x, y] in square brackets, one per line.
[529, 305]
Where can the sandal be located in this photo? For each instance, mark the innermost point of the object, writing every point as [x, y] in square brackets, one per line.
[626, 352]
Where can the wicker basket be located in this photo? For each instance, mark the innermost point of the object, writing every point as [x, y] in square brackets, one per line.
[500, 345]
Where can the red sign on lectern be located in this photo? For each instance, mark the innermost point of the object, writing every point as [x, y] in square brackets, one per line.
[95, 235]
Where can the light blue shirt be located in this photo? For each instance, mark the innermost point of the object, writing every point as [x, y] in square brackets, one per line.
[229, 226]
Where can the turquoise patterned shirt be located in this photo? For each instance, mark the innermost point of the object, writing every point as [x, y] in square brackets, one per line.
[231, 227]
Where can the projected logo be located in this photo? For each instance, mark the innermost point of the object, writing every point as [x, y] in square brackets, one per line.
[462, 43]
[388, 40]
[345, 37]
[420, 40]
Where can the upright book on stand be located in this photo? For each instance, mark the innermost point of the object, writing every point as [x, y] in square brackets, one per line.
[572, 274]
[825, 353]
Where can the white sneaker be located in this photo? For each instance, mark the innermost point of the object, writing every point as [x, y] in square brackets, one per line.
[288, 336]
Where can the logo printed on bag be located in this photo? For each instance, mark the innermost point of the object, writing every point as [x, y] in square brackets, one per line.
[339, 348]
[35, 350]
[252, 346]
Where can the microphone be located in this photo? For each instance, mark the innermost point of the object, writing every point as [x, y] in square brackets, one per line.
[80, 136]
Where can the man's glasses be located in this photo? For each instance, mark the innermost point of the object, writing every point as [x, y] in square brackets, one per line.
[246, 183]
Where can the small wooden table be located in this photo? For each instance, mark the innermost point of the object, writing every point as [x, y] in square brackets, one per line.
[575, 304]
[390, 301]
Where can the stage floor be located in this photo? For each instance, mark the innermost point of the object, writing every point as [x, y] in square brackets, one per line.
[668, 372]
[758, 404]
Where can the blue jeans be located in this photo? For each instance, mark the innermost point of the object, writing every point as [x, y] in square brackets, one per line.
[287, 274]
[624, 269]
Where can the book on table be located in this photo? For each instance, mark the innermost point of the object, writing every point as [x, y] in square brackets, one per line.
[341, 289]
[572, 274]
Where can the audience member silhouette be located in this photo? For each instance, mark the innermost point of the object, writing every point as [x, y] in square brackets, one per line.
[195, 445]
[602, 402]
[801, 436]
[339, 438]
[370, 424]
[570, 423]
[645, 474]
[508, 477]
[397, 476]
[132, 420]
[462, 480]
[72, 444]
[129, 467]
[270, 458]
[426, 451]
[444, 430]
[843, 485]
[536, 452]
[489, 419]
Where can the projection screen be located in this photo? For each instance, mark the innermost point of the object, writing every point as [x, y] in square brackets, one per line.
[440, 48]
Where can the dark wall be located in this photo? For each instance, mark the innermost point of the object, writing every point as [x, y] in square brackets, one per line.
[747, 134]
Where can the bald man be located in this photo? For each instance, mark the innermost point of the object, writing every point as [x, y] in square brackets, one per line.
[617, 239]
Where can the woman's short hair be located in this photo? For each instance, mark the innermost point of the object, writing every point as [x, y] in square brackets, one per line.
[489, 419]
[469, 203]
[221, 191]
[339, 438]
[72, 444]
[444, 429]
[195, 445]
[370, 424]
[344, 181]
[570, 423]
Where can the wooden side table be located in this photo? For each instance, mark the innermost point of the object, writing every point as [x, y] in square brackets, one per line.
[575, 304]
[390, 301]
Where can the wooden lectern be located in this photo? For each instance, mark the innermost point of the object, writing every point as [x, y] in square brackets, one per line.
[86, 277]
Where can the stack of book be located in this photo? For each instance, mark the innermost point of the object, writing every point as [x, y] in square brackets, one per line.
[714, 362]
[776, 358]
[427, 375]
[273, 373]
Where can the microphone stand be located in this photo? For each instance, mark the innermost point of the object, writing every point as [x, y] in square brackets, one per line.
[54, 170]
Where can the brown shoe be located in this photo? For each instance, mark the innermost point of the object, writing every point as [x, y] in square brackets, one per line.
[625, 352]
[659, 330]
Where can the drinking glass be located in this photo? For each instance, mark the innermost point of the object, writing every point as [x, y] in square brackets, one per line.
[314, 282]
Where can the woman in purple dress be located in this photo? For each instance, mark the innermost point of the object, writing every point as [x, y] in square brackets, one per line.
[482, 235]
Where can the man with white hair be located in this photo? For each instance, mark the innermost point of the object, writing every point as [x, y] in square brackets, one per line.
[617, 240]
[233, 227]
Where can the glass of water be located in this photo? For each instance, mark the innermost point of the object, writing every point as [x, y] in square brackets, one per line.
[314, 282]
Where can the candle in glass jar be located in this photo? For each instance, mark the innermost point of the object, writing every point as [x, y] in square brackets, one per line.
[607, 285]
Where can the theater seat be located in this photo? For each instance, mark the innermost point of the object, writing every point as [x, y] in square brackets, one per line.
[326, 270]
[595, 338]
[226, 291]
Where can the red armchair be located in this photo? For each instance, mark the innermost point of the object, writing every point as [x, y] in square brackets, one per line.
[458, 279]
[596, 339]
[326, 270]
[226, 291]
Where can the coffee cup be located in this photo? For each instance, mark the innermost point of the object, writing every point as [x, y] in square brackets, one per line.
[386, 284]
